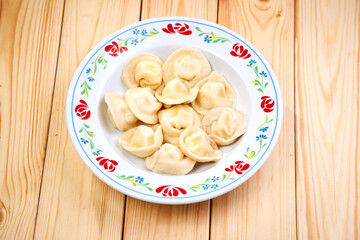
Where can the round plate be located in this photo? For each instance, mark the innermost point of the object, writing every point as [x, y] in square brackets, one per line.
[257, 90]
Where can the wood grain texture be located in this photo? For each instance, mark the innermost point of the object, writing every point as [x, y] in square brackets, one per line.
[264, 206]
[153, 221]
[29, 39]
[74, 203]
[327, 119]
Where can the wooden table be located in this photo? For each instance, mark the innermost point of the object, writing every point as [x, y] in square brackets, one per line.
[308, 188]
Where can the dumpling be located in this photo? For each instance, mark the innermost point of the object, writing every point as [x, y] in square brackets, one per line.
[188, 64]
[214, 91]
[198, 146]
[175, 120]
[119, 113]
[144, 70]
[142, 141]
[143, 104]
[176, 91]
[169, 159]
[224, 125]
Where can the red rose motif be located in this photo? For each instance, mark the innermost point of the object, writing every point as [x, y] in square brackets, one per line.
[169, 190]
[239, 167]
[179, 28]
[113, 49]
[267, 104]
[240, 51]
[108, 164]
[82, 110]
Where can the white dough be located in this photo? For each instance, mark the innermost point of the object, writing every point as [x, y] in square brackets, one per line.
[169, 159]
[224, 125]
[144, 70]
[188, 64]
[175, 120]
[198, 146]
[214, 91]
[176, 91]
[143, 104]
[142, 141]
[119, 112]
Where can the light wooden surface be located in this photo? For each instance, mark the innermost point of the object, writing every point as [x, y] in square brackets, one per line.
[308, 188]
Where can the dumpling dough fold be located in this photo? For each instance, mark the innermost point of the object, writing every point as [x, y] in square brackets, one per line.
[188, 64]
[214, 91]
[143, 104]
[169, 159]
[119, 112]
[175, 120]
[142, 141]
[176, 91]
[224, 125]
[198, 146]
[144, 70]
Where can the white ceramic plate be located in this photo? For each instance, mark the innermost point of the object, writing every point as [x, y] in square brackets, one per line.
[257, 90]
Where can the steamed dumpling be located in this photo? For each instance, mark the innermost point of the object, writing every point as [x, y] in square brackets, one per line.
[175, 120]
[188, 64]
[143, 104]
[169, 159]
[119, 113]
[214, 91]
[144, 70]
[198, 146]
[224, 125]
[176, 91]
[142, 141]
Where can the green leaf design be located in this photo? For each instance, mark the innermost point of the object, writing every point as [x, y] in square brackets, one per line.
[256, 70]
[256, 82]
[266, 84]
[270, 120]
[198, 29]
[246, 156]
[247, 150]
[81, 130]
[217, 40]
[260, 90]
[92, 146]
[87, 126]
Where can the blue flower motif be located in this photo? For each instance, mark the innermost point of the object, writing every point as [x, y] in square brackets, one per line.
[91, 79]
[214, 186]
[214, 179]
[208, 39]
[135, 41]
[252, 62]
[263, 74]
[261, 137]
[205, 187]
[83, 140]
[144, 32]
[96, 153]
[139, 179]
[88, 70]
[136, 32]
[263, 129]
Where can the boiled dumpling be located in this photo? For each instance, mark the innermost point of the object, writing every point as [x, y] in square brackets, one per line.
[176, 91]
[224, 125]
[119, 113]
[144, 70]
[142, 141]
[143, 104]
[214, 91]
[175, 120]
[169, 159]
[188, 64]
[198, 146]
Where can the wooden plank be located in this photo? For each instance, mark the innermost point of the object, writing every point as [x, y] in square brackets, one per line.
[153, 221]
[29, 39]
[74, 203]
[327, 123]
[264, 207]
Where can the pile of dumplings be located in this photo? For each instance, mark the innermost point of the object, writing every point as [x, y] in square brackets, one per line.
[175, 113]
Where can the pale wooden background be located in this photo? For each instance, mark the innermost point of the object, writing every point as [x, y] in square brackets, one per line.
[308, 188]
